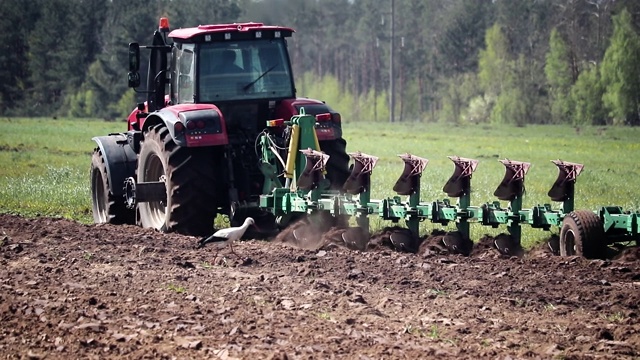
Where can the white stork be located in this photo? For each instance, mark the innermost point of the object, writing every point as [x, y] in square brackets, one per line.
[223, 237]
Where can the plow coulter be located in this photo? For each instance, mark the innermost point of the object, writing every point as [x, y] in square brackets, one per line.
[306, 193]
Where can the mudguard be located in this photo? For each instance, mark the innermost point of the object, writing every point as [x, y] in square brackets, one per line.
[215, 132]
[120, 160]
[169, 119]
[325, 130]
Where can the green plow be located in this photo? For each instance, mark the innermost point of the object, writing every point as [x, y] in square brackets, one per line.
[581, 232]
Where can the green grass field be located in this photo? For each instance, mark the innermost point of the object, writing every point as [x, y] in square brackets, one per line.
[44, 163]
[44, 166]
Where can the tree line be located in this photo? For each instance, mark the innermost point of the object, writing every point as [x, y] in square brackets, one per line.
[456, 61]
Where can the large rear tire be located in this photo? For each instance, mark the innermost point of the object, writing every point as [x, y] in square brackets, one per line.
[582, 234]
[338, 164]
[107, 208]
[191, 184]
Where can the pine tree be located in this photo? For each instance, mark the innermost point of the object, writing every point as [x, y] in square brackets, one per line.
[15, 24]
[462, 36]
[49, 55]
[106, 80]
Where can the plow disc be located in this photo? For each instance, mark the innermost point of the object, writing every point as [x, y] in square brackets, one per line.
[457, 243]
[506, 245]
[404, 241]
[356, 238]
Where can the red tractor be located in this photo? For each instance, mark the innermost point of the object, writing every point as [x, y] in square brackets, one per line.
[190, 150]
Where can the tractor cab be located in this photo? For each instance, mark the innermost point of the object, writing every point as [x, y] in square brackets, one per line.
[241, 69]
[215, 65]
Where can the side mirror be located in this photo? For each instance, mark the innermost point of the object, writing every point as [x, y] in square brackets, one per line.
[184, 81]
[134, 65]
[134, 79]
[134, 57]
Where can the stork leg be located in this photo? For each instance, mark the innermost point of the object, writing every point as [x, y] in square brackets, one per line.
[233, 252]
[215, 256]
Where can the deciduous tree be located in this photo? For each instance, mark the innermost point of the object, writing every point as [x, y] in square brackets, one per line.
[620, 72]
[559, 77]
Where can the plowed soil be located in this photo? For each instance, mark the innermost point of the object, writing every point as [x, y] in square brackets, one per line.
[102, 291]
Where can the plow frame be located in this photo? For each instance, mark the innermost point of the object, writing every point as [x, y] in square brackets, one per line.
[356, 200]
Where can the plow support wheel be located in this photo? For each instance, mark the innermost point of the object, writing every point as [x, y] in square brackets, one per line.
[313, 172]
[359, 180]
[512, 184]
[563, 188]
[409, 181]
[459, 183]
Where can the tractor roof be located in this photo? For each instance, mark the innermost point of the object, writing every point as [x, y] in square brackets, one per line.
[238, 28]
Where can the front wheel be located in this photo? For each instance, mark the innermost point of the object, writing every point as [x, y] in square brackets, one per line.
[107, 208]
[582, 234]
[191, 182]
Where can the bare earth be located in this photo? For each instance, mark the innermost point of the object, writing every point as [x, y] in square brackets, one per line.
[101, 291]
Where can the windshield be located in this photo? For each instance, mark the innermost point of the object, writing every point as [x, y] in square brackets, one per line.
[242, 70]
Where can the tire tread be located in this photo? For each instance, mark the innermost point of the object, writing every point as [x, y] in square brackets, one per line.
[590, 240]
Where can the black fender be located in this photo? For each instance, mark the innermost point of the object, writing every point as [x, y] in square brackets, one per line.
[171, 115]
[322, 109]
[168, 119]
[119, 158]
